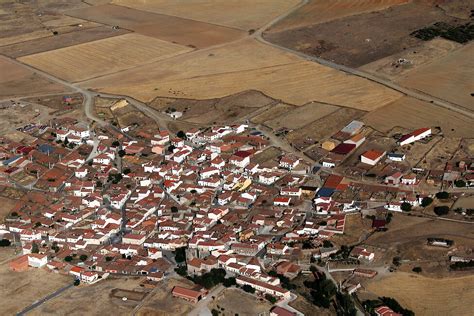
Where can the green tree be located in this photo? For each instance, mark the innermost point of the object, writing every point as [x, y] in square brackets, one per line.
[229, 282]
[121, 153]
[83, 257]
[247, 288]
[443, 195]
[115, 143]
[34, 248]
[5, 243]
[272, 299]
[327, 243]
[417, 269]
[180, 255]
[441, 210]
[181, 135]
[174, 209]
[460, 183]
[406, 207]
[68, 258]
[426, 201]
[77, 282]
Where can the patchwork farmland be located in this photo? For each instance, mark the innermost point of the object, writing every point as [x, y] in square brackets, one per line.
[85, 61]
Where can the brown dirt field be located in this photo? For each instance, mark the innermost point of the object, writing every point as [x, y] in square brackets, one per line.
[427, 296]
[325, 126]
[450, 78]
[102, 57]
[20, 21]
[235, 301]
[77, 300]
[246, 65]
[274, 111]
[240, 14]
[16, 81]
[317, 11]
[301, 116]
[56, 101]
[307, 308]
[418, 56]
[438, 155]
[135, 117]
[229, 109]
[354, 228]
[59, 41]
[169, 28]
[7, 204]
[352, 41]
[411, 114]
[13, 117]
[20, 289]
[163, 304]
[267, 154]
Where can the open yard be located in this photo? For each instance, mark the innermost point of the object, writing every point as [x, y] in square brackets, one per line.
[245, 65]
[7, 205]
[77, 300]
[20, 289]
[16, 81]
[236, 301]
[240, 14]
[450, 78]
[165, 27]
[301, 116]
[412, 114]
[161, 302]
[316, 12]
[97, 58]
[428, 296]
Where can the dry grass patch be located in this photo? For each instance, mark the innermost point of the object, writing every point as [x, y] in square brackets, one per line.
[427, 296]
[274, 111]
[93, 59]
[246, 65]
[235, 301]
[240, 14]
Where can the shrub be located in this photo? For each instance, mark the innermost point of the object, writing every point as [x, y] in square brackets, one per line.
[68, 258]
[443, 195]
[83, 257]
[247, 288]
[441, 210]
[460, 183]
[426, 201]
[406, 207]
[5, 243]
[417, 269]
[272, 299]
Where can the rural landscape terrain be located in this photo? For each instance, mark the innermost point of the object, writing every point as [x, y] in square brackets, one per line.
[237, 157]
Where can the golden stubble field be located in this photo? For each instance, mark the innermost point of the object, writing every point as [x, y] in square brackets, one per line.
[240, 14]
[245, 65]
[450, 78]
[105, 56]
[428, 296]
[323, 11]
[411, 113]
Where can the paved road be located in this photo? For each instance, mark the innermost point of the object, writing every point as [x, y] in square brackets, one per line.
[45, 299]
[356, 72]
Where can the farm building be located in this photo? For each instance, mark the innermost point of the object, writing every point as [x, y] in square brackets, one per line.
[343, 149]
[186, 294]
[372, 157]
[353, 128]
[396, 156]
[414, 136]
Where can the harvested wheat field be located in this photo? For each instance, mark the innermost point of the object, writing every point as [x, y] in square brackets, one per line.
[427, 296]
[246, 65]
[168, 28]
[240, 14]
[17, 81]
[272, 112]
[301, 116]
[317, 11]
[411, 113]
[93, 59]
[450, 78]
